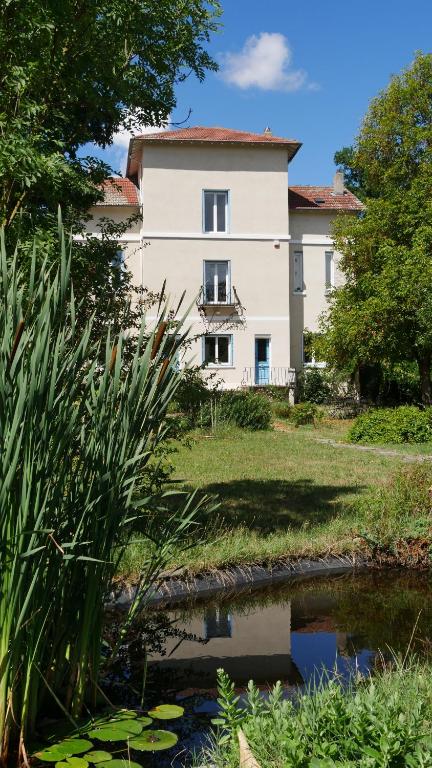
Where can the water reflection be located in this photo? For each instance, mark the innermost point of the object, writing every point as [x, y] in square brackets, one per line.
[294, 632]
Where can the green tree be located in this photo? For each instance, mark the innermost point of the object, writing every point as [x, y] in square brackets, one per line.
[382, 313]
[354, 181]
[75, 71]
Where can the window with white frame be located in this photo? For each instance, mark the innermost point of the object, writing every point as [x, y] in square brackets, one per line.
[329, 270]
[215, 214]
[298, 272]
[216, 282]
[218, 349]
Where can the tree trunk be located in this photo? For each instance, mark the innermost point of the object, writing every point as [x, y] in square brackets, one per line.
[424, 366]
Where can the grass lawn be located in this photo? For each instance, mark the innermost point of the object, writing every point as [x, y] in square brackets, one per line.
[282, 494]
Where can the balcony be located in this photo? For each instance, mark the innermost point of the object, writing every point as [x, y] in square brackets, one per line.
[222, 302]
[258, 376]
[222, 307]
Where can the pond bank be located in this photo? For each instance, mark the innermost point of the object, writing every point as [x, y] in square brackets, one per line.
[230, 580]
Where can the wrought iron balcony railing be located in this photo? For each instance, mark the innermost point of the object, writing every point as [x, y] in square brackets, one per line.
[263, 376]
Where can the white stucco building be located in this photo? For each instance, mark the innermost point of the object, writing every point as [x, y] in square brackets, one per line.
[218, 219]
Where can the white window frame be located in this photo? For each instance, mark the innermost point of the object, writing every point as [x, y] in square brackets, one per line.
[296, 288]
[216, 336]
[329, 271]
[216, 281]
[215, 192]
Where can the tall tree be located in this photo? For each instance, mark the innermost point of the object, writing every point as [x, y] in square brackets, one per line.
[75, 71]
[383, 311]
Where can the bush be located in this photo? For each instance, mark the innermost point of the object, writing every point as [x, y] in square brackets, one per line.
[314, 386]
[245, 409]
[384, 720]
[305, 413]
[282, 410]
[240, 408]
[407, 424]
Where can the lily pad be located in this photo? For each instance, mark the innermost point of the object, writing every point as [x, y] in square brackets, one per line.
[166, 712]
[73, 762]
[120, 764]
[145, 721]
[74, 746]
[130, 726]
[154, 741]
[56, 753]
[50, 755]
[126, 713]
[98, 756]
[107, 733]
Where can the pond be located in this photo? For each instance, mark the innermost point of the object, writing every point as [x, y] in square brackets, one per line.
[289, 633]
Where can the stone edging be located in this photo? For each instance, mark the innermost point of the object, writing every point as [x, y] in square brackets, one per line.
[176, 590]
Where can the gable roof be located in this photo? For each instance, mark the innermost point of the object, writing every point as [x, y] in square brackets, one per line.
[119, 191]
[322, 198]
[205, 135]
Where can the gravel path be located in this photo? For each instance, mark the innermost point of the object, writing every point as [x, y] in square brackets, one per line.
[410, 457]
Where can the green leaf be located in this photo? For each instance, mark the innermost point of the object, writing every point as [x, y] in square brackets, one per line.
[145, 721]
[119, 764]
[106, 733]
[130, 726]
[154, 741]
[98, 756]
[75, 746]
[50, 755]
[166, 712]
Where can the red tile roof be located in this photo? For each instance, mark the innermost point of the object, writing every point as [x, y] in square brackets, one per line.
[119, 191]
[225, 135]
[201, 134]
[322, 198]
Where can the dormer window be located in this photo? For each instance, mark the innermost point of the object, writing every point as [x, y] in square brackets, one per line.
[215, 214]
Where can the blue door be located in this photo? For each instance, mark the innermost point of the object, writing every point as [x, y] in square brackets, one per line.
[262, 362]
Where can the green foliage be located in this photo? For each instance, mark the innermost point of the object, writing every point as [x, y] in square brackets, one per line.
[195, 390]
[381, 722]
[406, 424]
[400, 509]
[244, 409]
[345, 159]
[382, 313]
[115, 726]
[305, 413]
[313, 385]
[230, 716]
[77, 437]
[281, 410]
[59, 90]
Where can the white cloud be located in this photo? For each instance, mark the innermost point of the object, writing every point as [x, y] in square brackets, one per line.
[264, 62]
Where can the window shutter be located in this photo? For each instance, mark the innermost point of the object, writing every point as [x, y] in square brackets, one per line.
[298, 271]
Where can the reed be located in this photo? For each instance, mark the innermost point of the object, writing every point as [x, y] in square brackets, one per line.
[76, 437]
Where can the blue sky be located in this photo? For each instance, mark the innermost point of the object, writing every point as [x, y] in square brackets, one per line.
[308, 70]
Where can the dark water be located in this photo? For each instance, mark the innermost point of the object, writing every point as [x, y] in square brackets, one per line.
[290, 633]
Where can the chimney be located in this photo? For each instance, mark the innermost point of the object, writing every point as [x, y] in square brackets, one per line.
[267, 131]
[338, 183]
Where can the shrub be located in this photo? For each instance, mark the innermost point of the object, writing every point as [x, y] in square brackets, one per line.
[305, 413]
[384, 720]
[282, 410]
[245, 409]
[314, 386]
[407, 424]
[241, 408]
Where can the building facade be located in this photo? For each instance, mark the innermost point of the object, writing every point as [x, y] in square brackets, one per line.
[216, 218]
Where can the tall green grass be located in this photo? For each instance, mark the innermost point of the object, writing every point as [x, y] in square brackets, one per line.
[76, 436]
